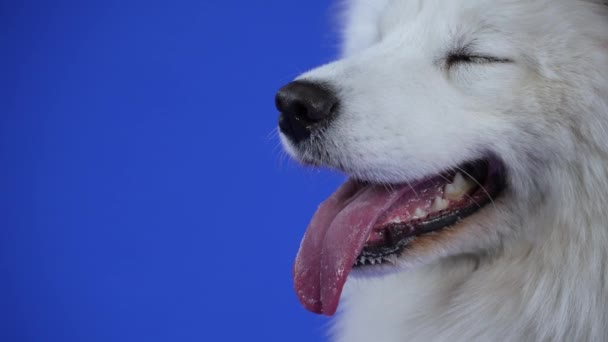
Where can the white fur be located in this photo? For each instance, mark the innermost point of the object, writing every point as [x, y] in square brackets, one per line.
[532, 267]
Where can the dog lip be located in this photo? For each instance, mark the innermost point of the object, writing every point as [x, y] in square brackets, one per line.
[489, 174]
[401, 234]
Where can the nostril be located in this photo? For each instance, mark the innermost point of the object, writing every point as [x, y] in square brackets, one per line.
[303, 104]
[292, 106]
[300, 111]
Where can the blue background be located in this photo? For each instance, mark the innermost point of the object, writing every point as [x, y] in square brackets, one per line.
[143, 196]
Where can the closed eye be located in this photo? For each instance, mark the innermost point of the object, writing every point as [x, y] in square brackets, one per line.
[462, 58]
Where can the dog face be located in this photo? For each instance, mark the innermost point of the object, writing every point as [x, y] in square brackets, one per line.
[426, 87]
[430, 84]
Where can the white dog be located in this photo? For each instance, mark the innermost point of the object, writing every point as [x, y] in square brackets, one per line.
[475, 136]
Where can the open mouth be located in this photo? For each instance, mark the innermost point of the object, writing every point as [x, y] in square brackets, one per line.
[438, 202]
[365, 224]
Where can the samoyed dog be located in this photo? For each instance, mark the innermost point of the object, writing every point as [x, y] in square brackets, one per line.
[474, 134]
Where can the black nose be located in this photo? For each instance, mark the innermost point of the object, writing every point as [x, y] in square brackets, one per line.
[304, 106]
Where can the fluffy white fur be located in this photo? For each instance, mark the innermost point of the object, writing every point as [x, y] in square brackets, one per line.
[531, 267]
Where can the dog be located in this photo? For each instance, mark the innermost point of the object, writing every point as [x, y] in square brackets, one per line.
[474, 134]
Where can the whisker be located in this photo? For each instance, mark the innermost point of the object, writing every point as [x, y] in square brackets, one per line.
[414, 190]
[277, 147]
[274, 133]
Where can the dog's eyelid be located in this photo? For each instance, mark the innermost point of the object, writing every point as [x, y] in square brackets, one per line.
[472, 58]
[491, 59]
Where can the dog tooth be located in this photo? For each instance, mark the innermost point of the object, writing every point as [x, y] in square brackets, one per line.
[419, 213]
[396, 220]
[458, 188]
[440, 204]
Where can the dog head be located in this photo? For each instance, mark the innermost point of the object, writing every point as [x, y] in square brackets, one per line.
[503, 94]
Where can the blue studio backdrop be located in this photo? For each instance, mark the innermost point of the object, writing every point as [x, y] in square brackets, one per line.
[143, 194]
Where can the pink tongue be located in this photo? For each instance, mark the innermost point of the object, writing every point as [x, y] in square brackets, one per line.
[334, 238]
